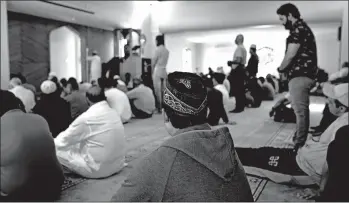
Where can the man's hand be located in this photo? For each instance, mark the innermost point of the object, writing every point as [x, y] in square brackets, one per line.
[280, 71]
[309, 194]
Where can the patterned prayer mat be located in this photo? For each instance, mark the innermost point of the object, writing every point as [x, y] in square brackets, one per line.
[257, 185]
[71, 181]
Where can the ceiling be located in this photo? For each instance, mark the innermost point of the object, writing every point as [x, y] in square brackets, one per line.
[178, 16]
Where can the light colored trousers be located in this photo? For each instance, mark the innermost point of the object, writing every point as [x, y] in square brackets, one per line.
[159, 72]
[299, 89]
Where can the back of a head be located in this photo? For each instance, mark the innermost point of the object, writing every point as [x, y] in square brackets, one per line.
[63, 82]
[287, 9]
[220, 77]
[15, 81]
[9, 102]
[185, 99]
[160, 40]
[207, 82]
[74, 83]
[261, 79]
[95, 94]
[345, 65]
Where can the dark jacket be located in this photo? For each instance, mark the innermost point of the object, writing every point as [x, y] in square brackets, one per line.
[56, 112]
[216, 107]
[252, 65]
[197, 164]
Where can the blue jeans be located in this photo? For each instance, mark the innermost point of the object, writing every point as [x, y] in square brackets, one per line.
[299, 89]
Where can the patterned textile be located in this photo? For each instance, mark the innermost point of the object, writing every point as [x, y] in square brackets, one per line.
[305, 61]
[185, 93]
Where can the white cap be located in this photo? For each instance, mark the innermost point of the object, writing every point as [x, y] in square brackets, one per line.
[48, 87]
[338, 92]
[253, 46]
[116, 77]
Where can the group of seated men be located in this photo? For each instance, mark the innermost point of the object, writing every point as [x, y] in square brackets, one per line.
[196, 164]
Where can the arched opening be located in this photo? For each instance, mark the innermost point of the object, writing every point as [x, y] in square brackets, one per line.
[65, 53]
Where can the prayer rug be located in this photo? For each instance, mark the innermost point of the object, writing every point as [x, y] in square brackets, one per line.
[257, 185]
[71, 179]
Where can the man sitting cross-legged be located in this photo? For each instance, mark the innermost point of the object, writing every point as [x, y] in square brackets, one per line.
[141, 99]
[30, 170]
[94, 144]
[197, 164]
[306, 166]
[117, 99]
[218, 82]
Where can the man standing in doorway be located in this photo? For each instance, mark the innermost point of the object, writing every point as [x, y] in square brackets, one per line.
[300, 66]
[237, 74]
[95, 67]
[159, 64]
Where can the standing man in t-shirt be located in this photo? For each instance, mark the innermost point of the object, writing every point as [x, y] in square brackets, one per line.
[237, 74]
[300, 66]
[159, 64]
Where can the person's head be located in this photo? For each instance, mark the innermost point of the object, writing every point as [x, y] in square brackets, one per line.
[72, 84]
[207, 81]
[218, 78]
[337, 96]
[261, 79]
[137, 81]
[184, 101]
[9, 102]
[95, 94]
[220, 69]
[288, 14]
[345, 65]
[51, 75]
[63, 82]
[160, 40]
[94, 53]
[15, 81]
[253, 49]
[127, 76]
[48, 87]
[239, 39]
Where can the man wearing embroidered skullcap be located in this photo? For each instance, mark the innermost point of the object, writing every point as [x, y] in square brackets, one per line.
[197, 164]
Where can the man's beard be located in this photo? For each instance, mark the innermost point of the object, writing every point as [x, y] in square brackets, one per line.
[288, 25]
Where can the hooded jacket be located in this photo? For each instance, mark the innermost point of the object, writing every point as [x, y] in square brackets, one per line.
[197, 164]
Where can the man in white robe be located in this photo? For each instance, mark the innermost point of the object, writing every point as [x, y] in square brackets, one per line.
[95, 66]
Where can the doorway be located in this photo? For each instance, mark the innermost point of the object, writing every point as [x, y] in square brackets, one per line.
[65, 53]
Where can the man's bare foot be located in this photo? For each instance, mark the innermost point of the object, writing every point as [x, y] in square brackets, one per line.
[309, 194]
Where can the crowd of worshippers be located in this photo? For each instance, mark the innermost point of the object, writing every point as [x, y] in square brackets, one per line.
[86, 122]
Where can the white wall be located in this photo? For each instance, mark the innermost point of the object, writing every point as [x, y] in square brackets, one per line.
[344, 41]
[5, 66]
[176, 44]
[214, 55]
[65, 53]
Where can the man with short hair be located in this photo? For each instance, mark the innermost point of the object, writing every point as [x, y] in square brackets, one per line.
[300, 65]
[117, 100]
[141, 99]
[197, 164]
[76, 98]
[218, 83]
[159, 63]
[308, 165]
[25, 95]
[93, 146]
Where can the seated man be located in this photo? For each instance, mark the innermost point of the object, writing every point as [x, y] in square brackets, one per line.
[94, 144]
[25, 95]
[197, 164]
[117, 100]
[218, 80]
[30, 170]
[304, 167]
[253, 93]
[336, 172]
[76, 98]
[215, 104]
[281, 111]
[268, 89]
[142, 99]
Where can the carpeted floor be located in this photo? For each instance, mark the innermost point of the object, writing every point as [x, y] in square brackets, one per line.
[254, 129]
